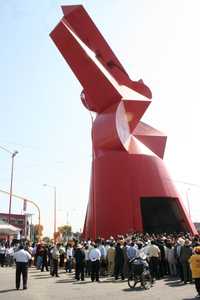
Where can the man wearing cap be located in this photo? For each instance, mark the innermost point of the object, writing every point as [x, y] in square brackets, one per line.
[79, 257]
[22, 258]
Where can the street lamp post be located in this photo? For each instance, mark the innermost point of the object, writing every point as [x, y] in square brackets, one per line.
[11, 184]
[55, 202]
[13, 154]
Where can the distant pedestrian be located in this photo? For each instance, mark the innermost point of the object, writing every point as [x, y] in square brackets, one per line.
[132, 253]
[9, 256]
[22, 258]
[69, 257]
[62, 255]
[185, 254]
[79, 256]
[95, 256]
[111, 259]
[55, 257]
[194, 261]
[154, 254]
[87, 260]
[2, 254]
[119, 261]
[44, 259]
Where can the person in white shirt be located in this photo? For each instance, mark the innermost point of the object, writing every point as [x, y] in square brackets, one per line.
[87, 260]
[154, 254]
[103, 262]
[55, 257]
[69, 256]
[9, 256]
[22, 258]
[95, 256]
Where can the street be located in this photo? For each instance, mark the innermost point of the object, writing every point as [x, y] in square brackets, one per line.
[41, 286]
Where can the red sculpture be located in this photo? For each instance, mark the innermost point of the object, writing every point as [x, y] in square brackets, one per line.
[130, 187]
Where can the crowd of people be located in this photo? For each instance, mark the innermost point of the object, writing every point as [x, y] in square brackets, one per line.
[173, 255]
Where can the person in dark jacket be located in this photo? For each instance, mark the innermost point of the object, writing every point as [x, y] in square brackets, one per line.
[79, 256]
[119, 261]
[163, 268]
[185, 254]
[44, 259]
[177, 251]
[2, 254]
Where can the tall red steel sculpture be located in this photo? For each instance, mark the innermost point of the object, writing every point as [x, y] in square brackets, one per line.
[130, 188]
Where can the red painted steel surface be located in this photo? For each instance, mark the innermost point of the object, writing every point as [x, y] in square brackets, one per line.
[127, 153]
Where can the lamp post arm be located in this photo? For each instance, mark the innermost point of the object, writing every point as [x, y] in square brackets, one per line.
[3, 148]
[23, 198]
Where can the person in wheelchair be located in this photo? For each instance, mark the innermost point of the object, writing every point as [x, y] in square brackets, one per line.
[139, 264]
[140, 273]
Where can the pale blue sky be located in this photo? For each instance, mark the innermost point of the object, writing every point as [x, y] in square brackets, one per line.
[41, 113]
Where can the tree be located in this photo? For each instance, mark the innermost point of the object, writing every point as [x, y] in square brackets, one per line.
[46, 239]
[38, 229]
[56, 236]
[65, 231]
[77, 235]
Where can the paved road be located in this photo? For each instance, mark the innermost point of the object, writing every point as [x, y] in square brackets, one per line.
[41, 286]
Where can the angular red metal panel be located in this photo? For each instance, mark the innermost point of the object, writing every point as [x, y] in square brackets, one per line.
[134, 111]
[81, 23]
[85, 69]
[151, 137]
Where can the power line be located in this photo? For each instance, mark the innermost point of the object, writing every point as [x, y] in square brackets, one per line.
[5, 149]
[183, 182]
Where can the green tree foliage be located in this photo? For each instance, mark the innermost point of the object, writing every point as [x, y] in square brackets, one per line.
[65, 231]
[38, 229]
[46, 239]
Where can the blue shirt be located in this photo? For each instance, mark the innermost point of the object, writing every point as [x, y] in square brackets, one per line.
[131, 252]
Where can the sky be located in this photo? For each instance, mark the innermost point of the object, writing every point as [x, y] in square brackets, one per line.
[42, 117]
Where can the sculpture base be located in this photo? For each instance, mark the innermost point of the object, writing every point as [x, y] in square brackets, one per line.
[133, 193]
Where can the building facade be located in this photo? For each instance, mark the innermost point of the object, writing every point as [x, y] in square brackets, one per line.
[19, 221]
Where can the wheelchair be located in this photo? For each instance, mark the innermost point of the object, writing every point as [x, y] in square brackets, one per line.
[139, 273]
